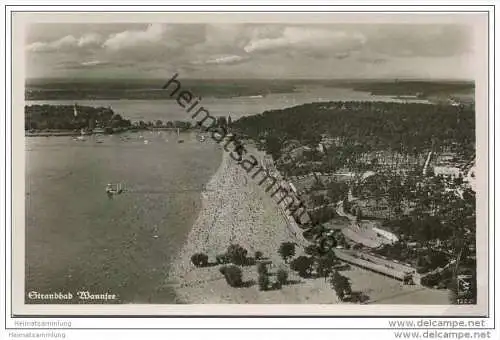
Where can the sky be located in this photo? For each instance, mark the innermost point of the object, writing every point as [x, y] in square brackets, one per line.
[246, 50]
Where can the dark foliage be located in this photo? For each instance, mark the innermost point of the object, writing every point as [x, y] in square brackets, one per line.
[303, 265]
[262, 268]
[322, 215]
[199, 260]
[326, 263]
[282, 277]
[337, 191]
[366, 126]
[223, 259]
[263, 281]
[237, 254]
[341, 285]
[61, 117]
[233, 275]
[287, 250]
[312, 250]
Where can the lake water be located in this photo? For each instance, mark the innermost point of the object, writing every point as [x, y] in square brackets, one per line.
[79, 239]
[165, 110]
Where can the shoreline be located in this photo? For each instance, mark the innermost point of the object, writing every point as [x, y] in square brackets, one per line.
[65, 133]
[235, 209]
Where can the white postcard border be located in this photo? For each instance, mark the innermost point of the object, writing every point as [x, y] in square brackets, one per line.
[200, 310]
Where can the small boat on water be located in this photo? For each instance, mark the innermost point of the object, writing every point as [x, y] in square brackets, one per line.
[80, 138]
[99, 131]
[202, 139]
[180, 140]
[112, 190]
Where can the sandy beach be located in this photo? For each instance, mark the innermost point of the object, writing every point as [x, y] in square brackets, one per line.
[235, 209]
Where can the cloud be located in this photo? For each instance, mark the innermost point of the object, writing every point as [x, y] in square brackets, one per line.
[154, 33]
[305, 38]
[91, 39]
[93, 63]
[60, 44]
[244, 49]
[227, 59]
[65, 42]
[68, 42]
[37, 47]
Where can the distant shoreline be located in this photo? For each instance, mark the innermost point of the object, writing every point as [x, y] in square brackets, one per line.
[150, 89]
[63, 133]
[51, 134]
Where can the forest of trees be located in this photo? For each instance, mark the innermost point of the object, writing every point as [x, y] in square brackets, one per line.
[425, 210]
[362, 127]
[62, 117]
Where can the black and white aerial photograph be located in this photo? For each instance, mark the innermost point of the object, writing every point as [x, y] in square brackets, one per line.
[253, 162]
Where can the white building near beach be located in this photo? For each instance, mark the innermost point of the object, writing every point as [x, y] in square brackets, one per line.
[447, 171]
[386, 234]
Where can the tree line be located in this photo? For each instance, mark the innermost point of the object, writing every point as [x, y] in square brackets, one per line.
[407, 128]
[62, 117]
